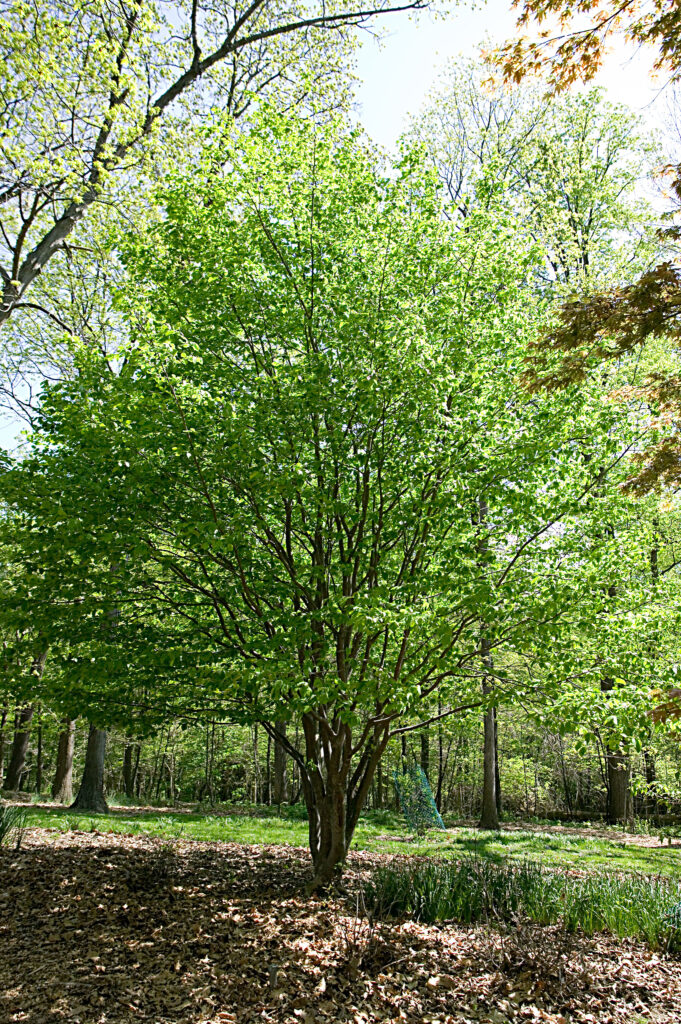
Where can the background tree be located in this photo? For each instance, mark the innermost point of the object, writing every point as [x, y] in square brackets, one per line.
[121, 70]
[639, 309]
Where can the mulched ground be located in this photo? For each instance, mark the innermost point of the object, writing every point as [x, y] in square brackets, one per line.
[103, 929]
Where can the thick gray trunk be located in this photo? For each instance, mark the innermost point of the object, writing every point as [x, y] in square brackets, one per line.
[62, 787]
[17, 757]
[91, 793]
[279, 782]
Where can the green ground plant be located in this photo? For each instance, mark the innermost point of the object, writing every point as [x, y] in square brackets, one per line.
[13, 821]
[475, 890]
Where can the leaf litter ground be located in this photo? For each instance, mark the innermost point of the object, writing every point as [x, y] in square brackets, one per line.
[104, 929]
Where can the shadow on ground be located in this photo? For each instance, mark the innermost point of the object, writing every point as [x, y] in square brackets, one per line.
[101, 929]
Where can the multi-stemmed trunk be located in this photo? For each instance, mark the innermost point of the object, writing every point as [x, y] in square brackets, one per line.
[62, 786]
[91, 792]
[335, 788]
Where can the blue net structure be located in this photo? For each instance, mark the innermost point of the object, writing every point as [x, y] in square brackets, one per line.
[416, 799]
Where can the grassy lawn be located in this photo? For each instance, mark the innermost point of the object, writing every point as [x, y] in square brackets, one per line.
[378, 832]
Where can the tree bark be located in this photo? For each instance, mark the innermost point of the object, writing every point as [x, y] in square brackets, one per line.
[425, 753]
[129, 769]
[91, 792]
[650, 769]
[39, 762]
[618, 785]
[17, 757]
[279, 780]
[497, 775]
[3, 720]
[489, 818]
[617, 767]
[62, 787]
[335, 794]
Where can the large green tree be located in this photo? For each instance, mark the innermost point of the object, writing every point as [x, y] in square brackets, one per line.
[271, 504]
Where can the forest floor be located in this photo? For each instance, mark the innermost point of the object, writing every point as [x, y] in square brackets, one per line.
[100, 928]
[556, 845]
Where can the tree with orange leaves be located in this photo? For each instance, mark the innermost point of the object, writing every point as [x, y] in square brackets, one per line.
[613, 323]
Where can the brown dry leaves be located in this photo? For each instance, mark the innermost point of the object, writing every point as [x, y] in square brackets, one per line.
[101, 929]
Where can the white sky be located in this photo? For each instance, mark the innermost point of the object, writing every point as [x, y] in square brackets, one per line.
[397, 72]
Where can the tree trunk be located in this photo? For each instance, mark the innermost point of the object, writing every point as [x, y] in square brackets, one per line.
[651, 780]
[440, 758]
[91, 793]
[497, 775]
[128, 783]
[489, 818]
[425, 753]
[335, 794]
[617, 766]
[3, 720]
[62, 787]
[17, 757]
[39, 762]
[279, 780]
[618, 785]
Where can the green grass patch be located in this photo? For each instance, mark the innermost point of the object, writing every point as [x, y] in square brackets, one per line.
[377, 832]
[474, 890]
[554, 849]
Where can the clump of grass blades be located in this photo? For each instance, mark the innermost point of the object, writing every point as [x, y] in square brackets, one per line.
[475, 889]
[12, 824]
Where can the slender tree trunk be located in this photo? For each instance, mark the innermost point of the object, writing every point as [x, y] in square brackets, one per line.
[17, 757]
[497, 773]
[440, 758]
[3, 721]
[128, 772]
[617, 767]
[651, 779]
[489, 818]
[279, 781]
[425, 752]
[39, 762]
[91, 792]
[136, 773]
[62, 787]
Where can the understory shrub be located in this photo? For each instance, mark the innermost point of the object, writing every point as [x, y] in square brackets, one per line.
[476, 889]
